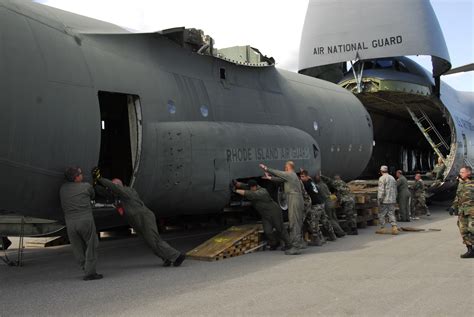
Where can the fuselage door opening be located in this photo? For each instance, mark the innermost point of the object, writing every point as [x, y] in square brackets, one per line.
[121, 135]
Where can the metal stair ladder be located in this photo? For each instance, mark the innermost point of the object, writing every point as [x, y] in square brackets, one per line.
[426, 127]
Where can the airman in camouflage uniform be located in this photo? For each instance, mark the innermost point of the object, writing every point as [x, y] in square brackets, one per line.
[387, 198]
[311, 220]
[329, 206]
[317, 207]
[346, 200]
[464, 204]
[418, 198]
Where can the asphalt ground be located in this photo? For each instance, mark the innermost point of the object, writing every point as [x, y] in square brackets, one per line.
[412, 274]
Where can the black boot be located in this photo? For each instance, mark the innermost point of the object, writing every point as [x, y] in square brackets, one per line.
[353, 231]
[179, 260]
[316, 240]
[331, 235]
[469, 253]
[94, 276]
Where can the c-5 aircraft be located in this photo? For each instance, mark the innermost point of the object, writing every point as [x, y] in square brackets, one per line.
[166, 112]
[416, 116]
[178, 119]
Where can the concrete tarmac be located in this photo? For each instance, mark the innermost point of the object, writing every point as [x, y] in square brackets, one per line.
[413, 274]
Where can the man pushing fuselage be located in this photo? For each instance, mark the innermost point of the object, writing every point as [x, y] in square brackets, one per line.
[140, 218]
[272, 217]
[76, 197]
[293, 190]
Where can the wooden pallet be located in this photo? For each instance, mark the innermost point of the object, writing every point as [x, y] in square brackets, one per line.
[46, 242]
[235, 241]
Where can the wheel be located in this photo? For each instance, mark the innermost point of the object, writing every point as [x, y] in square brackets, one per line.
[281, 198]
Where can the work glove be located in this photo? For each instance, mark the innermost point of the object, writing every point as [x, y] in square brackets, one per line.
[95, 174]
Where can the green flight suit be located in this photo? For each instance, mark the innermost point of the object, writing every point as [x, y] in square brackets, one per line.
[76, 204]
[293, 190]
[272, 217]
[141, 219]
[438, 171]
[403, 198]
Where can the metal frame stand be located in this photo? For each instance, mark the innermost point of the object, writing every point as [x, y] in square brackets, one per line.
[358, 74]
[19, 261]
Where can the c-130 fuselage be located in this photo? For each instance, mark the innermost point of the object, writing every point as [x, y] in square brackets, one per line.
[177, 125]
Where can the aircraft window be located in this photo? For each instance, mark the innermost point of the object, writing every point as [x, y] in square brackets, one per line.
[103, 125]
[315, 151]
[373, 143]
[204, 111]
[368, 121]
[350, 147]
[222, 73]
[171, 107]
[384, 63]
[402, 67]
[315, 126]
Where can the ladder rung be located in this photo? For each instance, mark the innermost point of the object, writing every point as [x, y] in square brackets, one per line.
[428, 129]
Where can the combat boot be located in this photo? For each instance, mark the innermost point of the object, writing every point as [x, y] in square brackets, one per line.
[381, 231]
[331, 235]
[340, 234]
[469, 253]
[316, 240]
[285, 247]
[94, 276]
[353, 231]
[293, 251]
[394, 230]
[179, 260]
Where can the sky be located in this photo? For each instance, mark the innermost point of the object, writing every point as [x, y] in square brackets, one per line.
[272, 26]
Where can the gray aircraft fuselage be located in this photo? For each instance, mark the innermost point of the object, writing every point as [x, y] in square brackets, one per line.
[177, 125]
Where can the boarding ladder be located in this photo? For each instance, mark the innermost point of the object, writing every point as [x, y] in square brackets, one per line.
[430, 132]
[468, 162]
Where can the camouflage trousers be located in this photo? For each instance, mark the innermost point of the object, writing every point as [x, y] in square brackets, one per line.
[331, 213]
[387, 210]
[317, 215]
[311, 219]
[418, 206]
[466, 228]
[348, 208]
